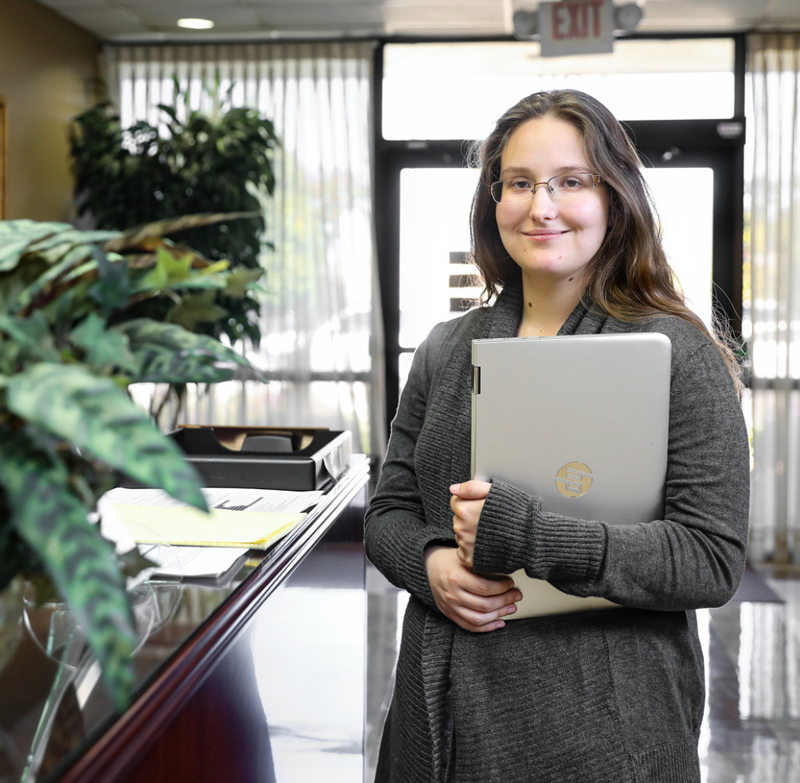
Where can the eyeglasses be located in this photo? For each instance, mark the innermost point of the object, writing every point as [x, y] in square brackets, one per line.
[561, 188]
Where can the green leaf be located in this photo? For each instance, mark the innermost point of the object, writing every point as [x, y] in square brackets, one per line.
[75, 256]
[170, 354]
[137, 237]
[241, 280]
[71, 236]
[196, 309]
[96, 417]
[16, 235]
[178, 267]
[104, 348]
[202, 282]
[155, 279]
[54, 524]
[112, 290]
[169, 111]
[169, 270]
[31, 338]
[215, 268]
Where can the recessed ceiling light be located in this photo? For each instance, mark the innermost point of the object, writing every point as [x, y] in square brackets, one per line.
[196, 24]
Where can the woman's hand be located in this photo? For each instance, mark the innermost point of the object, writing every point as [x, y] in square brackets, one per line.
[466, 505]
[472, 602]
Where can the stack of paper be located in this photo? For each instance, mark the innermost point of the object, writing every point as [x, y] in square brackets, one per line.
[249, 518]
[239, 520]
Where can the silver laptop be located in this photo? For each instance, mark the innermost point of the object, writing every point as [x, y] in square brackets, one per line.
[582, 421]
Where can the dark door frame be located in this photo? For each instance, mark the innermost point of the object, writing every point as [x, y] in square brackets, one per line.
[715, 144]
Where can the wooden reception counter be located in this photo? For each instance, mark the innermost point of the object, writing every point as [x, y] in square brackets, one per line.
[262, 680]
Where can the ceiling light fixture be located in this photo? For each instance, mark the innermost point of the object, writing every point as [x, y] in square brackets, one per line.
[196, 24]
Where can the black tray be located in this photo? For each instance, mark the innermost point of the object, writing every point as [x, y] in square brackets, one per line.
[297, 459]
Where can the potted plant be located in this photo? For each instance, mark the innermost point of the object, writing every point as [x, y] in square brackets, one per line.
[192, 162]
[72, 338]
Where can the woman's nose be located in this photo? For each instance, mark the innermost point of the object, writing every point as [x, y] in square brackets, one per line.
[542, 205]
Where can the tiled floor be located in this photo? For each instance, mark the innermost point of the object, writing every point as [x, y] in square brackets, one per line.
[751, 732]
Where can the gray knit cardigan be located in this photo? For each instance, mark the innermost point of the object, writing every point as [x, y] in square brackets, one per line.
[603, 697]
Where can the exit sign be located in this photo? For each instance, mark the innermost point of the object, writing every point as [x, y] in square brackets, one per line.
[576, 27]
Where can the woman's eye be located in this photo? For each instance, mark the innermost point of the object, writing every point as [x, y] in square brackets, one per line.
[570, 183]
[520, 184]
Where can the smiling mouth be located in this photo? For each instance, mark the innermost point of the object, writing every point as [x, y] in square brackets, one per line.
[541, 236]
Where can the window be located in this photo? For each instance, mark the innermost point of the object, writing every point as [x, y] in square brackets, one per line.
[458, 90]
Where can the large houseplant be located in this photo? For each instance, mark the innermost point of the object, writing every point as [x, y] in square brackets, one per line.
[72, 338]
[192, 161]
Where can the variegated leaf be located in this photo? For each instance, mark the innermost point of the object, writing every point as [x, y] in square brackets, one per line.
[30, 338]
[17, 235]
[82, 565]
[170, 354]
[72, 257]
[104, 349]
[112, 289]
[136, 237]
[96, 417]
[73, 236]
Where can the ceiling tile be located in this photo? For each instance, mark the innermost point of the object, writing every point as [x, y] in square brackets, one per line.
[116, 19]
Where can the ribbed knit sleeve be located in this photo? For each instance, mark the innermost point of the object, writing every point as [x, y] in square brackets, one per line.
[515, 533]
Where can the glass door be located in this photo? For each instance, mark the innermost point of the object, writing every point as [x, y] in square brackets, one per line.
[692, 151]
[435, 275]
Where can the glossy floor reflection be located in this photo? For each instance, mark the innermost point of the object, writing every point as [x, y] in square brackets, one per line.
[751, 731]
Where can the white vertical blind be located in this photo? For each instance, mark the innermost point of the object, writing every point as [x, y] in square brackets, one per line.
[320, 321]
[772, 291]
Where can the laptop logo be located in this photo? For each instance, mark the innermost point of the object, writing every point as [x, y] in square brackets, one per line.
[574, 480]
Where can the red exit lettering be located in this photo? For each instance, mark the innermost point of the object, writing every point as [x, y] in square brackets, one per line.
[579, 19]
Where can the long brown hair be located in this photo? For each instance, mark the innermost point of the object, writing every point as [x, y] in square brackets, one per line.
[630, 278]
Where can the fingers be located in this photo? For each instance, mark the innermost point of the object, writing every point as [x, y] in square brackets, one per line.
[471, 490]
[466, 504]
[475, 622]
[465, 538]
[479, 615]
[465, 553]
[473, 602]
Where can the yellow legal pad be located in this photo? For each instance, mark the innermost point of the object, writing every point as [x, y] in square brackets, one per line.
[186, 526]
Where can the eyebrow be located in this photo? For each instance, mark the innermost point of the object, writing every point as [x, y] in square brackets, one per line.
[521, 171]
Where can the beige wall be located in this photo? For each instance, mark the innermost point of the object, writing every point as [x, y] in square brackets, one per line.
[46, 68]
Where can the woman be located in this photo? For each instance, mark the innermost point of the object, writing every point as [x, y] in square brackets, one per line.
[565, 238]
